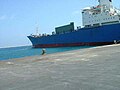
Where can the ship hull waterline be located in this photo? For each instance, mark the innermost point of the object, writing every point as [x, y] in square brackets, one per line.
[72, 44]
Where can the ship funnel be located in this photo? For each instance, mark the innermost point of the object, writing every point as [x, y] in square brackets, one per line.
[107, 3]
[104, 0]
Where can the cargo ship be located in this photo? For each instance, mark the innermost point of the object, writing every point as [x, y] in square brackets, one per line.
[101, 26]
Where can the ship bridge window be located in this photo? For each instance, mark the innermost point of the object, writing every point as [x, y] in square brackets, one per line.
[113, 22]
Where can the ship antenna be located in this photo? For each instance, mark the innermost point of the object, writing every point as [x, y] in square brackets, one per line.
[37, 29]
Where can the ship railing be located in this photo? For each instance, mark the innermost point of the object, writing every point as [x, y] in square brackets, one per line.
[35, 35]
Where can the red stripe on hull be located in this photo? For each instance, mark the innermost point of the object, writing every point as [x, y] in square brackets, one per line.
[72, 44]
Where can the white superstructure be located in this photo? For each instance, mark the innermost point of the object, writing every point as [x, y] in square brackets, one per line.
[103, 14]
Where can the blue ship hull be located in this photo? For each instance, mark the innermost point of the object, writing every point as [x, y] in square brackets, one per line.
[93, 36]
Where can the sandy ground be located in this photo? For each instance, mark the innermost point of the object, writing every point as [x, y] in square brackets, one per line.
[95, 68]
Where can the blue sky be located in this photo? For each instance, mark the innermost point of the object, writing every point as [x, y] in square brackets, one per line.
[18, 18]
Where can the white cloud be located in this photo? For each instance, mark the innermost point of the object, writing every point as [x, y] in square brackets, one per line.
[3, 17]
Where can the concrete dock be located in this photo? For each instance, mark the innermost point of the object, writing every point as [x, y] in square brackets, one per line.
[95, 68]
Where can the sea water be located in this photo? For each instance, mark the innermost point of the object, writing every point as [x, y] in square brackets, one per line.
[24, 51]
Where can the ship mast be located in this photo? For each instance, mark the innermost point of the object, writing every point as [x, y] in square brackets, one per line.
[37, 29]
